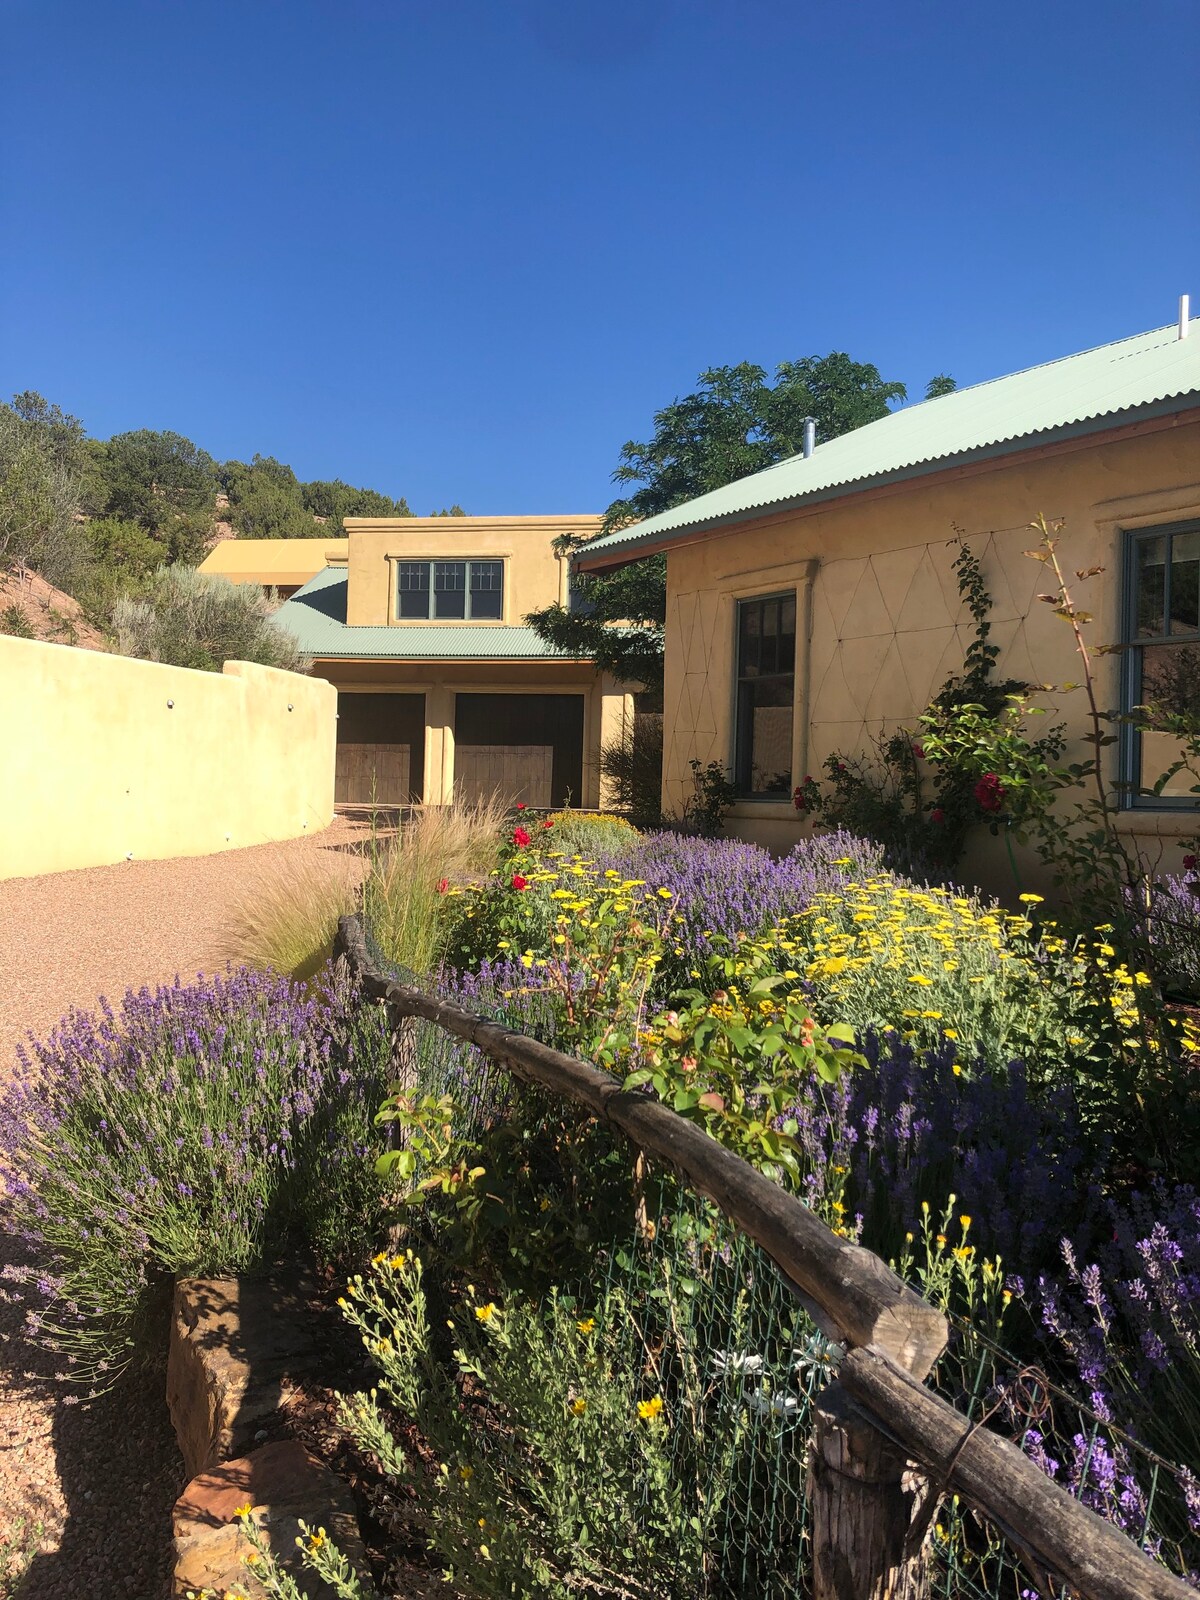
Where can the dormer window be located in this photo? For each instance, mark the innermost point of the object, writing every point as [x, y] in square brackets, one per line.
[450, 591]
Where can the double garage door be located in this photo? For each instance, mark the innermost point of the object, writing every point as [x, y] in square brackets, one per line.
[526, 747]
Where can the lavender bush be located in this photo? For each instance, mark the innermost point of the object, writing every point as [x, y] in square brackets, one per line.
[1169, 921]
[909, 1128]
[725, 887]
[196, 1130]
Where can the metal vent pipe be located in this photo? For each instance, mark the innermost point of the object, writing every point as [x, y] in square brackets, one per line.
[810, 436]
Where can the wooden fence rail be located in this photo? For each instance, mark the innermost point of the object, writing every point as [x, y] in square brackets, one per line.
[870, 1509]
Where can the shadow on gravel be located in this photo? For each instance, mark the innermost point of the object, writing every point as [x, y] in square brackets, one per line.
[117, 1462]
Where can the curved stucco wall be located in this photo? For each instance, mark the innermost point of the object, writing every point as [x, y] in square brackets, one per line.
[104, 758]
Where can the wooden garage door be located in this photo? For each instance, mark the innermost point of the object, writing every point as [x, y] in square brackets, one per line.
[523, 746]
[380, 749]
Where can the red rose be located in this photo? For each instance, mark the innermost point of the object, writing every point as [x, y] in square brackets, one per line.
[549, 822]
[1189, 863]
[521, 839]
[798, 800]
[443, 885]
[520, 805]
[989, 792]
[919, 751]
[937, 815]
[519, 882]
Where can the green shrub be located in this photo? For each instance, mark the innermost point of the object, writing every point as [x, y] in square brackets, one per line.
[189, 619]
[15, 623]
[933, 964]
[632, 766]
[554, 1462]
[584, 833]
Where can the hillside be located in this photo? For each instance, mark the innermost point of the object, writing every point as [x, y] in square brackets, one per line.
[50, 615]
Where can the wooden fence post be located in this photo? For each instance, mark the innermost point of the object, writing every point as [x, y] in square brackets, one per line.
[404, 1049]
[870, 1509]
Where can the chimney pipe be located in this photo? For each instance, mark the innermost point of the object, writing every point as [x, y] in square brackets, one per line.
[810, 436]
[1184, 316]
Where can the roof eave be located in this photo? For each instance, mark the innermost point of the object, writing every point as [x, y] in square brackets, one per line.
[621, 556]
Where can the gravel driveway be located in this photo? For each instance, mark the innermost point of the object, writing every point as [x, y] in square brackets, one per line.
[100, 1480]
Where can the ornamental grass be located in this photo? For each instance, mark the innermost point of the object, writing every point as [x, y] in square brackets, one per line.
[404, 895]
[287, 917]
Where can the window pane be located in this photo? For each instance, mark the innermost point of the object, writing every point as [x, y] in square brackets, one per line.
[770, 636]
[487, 589]
[771, 736]
[1185, 583]
[749, 640]
[1151, 586]
[449, 588]
[413, 588]
[1171, 684]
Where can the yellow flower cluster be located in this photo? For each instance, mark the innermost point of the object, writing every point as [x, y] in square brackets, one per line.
[996, 980]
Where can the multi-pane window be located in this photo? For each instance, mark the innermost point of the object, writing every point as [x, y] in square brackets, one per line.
[1162, 657]
[766, 693]
[471, 590]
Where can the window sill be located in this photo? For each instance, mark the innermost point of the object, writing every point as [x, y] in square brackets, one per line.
[759, 808]
[1160, 824]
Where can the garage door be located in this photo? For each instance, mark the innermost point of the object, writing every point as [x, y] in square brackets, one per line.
[380, 749]
[521, 746]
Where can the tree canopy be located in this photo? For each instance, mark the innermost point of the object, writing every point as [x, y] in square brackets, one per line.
[736, 423]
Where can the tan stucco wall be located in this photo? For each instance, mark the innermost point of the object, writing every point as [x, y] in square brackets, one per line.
[880, 625]
[608, 706]
[286, 563]
[534, 574]
[105, 758]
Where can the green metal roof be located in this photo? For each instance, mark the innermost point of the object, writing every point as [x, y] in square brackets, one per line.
[1148, 375]
[316, 615]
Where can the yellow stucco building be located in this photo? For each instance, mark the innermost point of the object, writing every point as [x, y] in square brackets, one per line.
[813, 605]
[280, 564]
[443, 690]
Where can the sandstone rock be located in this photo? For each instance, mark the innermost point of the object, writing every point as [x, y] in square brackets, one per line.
[233, 1344]
[285, 1485]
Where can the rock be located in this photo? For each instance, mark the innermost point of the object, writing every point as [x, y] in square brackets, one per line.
[233, 1343]
[285, 1485]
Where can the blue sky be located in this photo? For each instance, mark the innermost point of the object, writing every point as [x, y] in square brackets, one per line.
[463, 250]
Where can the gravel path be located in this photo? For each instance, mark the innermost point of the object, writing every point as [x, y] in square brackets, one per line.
[100, 1480]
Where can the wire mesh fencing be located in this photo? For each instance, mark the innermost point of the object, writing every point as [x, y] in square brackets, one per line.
[712, 1326]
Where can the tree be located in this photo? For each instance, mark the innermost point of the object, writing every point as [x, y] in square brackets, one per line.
[335, 500]
[153, 477]
[267, 501]
[42, 459]
[455, 511]
[942, 384]
[735, 424]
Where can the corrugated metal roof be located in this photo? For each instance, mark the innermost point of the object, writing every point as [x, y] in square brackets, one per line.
[316, 615]
[1149, 373]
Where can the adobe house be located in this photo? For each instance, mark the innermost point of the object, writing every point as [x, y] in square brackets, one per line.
[443, 690]
[813, 605]
[280, 564]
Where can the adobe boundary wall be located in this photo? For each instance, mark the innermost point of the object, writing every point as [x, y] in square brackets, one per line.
[104, 758]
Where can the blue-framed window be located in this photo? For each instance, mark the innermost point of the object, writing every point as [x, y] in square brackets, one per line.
[766, 696]
[1161, 658]
[450, 591]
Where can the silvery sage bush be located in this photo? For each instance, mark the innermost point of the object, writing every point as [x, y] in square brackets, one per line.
[201, 1128]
